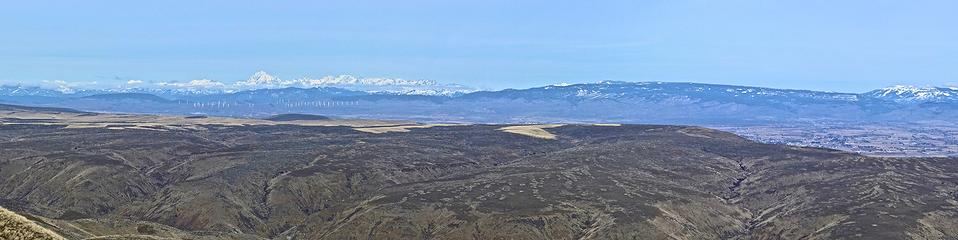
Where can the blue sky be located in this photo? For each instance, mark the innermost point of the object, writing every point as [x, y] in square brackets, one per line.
[850, 46]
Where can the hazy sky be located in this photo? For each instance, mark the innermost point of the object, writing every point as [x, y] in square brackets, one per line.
[850, 46]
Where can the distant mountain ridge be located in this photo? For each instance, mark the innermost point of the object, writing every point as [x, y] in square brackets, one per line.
[640, 102]
[128, 96]
[902, 93]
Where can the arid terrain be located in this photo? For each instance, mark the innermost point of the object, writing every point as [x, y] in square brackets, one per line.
[112, 176]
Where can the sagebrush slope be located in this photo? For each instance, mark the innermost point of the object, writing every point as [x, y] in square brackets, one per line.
[464, 182]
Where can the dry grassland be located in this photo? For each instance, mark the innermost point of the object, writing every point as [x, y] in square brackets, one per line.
[536, 131]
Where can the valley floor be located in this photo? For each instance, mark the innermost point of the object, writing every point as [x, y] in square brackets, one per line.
[889, 139]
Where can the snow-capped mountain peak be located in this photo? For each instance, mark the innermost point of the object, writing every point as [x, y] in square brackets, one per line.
[905, 89]
[906, 93]
[261, 78]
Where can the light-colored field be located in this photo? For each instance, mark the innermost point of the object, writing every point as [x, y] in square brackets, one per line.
[16, 227]
[607, 125]
[400, 128]
[536, 131]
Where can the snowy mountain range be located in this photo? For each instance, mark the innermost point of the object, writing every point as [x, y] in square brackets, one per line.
[264, 80]
[902, 93]
[640, 102]
[258, 80]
